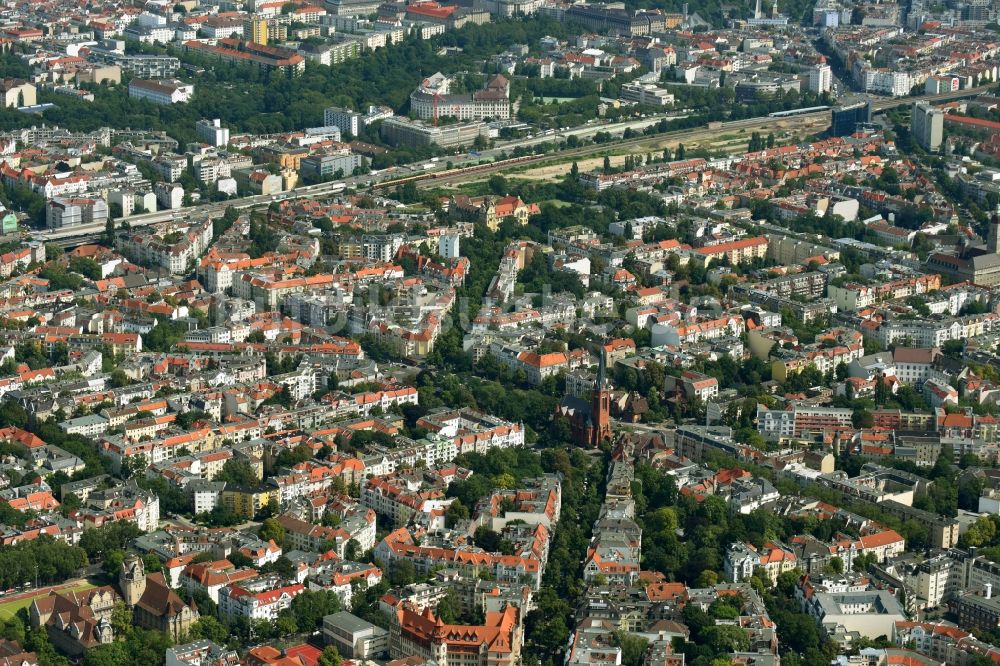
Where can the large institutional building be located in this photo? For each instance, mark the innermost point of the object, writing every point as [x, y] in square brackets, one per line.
[977, 264]
[496, 642]
[433, 98]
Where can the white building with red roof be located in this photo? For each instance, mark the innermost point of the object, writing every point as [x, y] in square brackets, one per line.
[257, 601]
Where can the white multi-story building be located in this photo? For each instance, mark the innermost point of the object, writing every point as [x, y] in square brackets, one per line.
[820, 77]
[169, 195]
[236, 601]
[171, 167]
[381, 247]
[646, 94]
[90, 425]
[448, 246]
[212, 132]
[928, 126]
[71, 212]
[922, 333]
[125, 199]
[885, 81]
[681, 332]
[163, 91]
[345, 119]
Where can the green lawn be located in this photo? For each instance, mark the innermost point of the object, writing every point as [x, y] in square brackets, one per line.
[9, 609]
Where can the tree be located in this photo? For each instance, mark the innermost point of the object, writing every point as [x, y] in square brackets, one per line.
[456, 512]
[107, 655]
[449, 608]
[311, 606]
[285, 625]
[113, 563]
[707, 578]
[152, 563]
[121, 619]
[633, 648]
[983, 532]
[271, 530]
[131, 465]
[238, 473]
[37, 641]
[863, 561]
[505, 481]
[487, 539]
[841, 371]
[724, 638]
[208, 627]
[329, 657]
[402, 572]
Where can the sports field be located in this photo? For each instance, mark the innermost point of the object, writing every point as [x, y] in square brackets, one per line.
[15, 602]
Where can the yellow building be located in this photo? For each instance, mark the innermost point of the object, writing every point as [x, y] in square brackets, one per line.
[255, 30]
[350, 248]
[492, 210]
[248, 502]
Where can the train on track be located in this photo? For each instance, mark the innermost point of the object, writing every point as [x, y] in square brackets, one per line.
[798, 112]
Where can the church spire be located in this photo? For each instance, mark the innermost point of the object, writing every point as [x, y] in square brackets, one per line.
[601, 369]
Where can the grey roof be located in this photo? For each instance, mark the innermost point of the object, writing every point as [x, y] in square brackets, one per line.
[349, 622]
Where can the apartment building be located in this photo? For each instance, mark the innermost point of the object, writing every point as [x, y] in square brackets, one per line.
[943, 531]
[693, 385]
[924, 333]
[853, 296]
[259, 55]
[358, 526]
[737, 251]
[743, 560]
[211, 577]
[257, 601]
[62, 212]
[801, 420]
[536, 367]
[401, 496]
[212, 132]
[676, 332]
[173, 247]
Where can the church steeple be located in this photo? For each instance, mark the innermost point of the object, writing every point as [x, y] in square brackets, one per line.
[599, 426]
[601, 368]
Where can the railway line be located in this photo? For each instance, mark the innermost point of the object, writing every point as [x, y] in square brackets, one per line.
[691, 134]
[799, 117]
[73, 236]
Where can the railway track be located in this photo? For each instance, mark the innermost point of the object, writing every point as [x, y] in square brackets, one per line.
[464, 173]
[76, 235]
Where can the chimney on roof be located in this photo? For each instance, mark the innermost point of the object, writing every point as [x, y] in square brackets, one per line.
[989, 590]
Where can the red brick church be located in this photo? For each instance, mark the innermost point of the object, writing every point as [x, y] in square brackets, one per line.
[589, 422]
